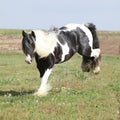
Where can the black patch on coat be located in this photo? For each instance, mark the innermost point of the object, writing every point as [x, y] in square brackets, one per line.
[63, 28]
[83, 42]
[44, 63]
[92, 28]
[77, 41]
[58, 53]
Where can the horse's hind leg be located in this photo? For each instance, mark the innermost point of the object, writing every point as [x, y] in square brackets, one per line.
[96, 65]
[91, 64]
[86, 64]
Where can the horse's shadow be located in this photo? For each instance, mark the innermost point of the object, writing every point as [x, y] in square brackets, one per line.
[15, 93]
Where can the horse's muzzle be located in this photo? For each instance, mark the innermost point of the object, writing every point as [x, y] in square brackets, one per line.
[28, 59]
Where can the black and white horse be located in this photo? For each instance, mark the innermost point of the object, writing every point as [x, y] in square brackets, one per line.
[59, 45]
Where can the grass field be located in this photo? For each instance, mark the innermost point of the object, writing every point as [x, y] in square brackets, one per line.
[75, 95]
[10, 31]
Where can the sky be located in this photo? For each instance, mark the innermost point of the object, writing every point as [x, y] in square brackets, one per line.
[44, 14]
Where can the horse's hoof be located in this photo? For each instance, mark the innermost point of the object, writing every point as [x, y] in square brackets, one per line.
[40, 93]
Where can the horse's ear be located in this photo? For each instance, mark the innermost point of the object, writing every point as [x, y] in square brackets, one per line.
[33, 33]
[24, 33]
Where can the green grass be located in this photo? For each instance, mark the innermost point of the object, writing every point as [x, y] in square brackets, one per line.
[75, 95]
[11, 31]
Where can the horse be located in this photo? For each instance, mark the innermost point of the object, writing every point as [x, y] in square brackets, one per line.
[57, 45]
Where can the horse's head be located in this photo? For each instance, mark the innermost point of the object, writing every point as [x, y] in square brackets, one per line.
[28, 45]
[91, 64]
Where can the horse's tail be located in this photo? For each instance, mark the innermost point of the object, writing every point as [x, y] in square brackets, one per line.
[92, 29]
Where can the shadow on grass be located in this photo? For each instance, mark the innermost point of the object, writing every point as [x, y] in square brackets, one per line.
[15, 93]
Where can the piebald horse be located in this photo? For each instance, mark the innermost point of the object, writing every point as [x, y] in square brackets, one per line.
[50, 47]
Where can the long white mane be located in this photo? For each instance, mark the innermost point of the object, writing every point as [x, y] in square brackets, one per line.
[45, 42]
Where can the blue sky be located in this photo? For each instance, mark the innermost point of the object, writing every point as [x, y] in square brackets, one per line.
[43, 14]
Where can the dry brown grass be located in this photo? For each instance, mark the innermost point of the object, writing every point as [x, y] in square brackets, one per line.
[109, 42]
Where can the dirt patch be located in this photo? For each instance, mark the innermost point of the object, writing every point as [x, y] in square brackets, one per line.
[10, 43]
[109, 42]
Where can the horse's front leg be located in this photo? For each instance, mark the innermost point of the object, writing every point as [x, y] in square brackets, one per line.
[44, 86]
